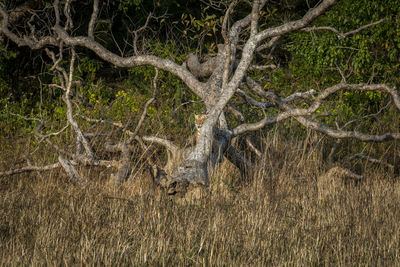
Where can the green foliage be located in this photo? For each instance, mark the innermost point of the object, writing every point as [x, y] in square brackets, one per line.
[125, 103]
[206, 25]
[4, 87]
[6, 58]
[312, 59]
[88, 67]
[125, 4]
[6, 54]
[11, 123]
[372, 51]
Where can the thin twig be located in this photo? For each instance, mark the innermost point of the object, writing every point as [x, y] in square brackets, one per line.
[340, 34]
[146, 106]
[372, 159]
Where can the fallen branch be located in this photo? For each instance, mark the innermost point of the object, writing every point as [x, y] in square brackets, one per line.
[30, 169]
[70, 170]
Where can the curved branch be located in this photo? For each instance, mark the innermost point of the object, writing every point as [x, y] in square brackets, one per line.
[81, 139]
[164, 142]
[342, 35]
[93, 19]
[295, 25]
[226, 41]
[325, 93]
[87, 42]
[165, 64]
[70, 170]
[248, 127]
[253, 147]
[347, 134]
[252, 101]
[271, 43]
[48, 40]
[136, 32]
[20, 11]
[299, 114]
[69, 25]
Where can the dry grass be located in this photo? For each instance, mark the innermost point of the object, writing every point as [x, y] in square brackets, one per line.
[274, 218]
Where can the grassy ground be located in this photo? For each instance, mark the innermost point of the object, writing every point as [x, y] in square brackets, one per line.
[278, 216]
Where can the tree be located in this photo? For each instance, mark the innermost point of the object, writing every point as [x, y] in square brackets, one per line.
[216, 81]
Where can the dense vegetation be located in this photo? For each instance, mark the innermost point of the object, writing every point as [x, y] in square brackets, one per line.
[278, 213]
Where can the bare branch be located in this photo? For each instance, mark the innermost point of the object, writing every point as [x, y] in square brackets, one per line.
[69, 25]
[53, 133]
[295, 25]
[327, 92]
[217, 5]
[56, 4]
[238, 115]
[93, 19]
[340, 34]
[262, 67]
[366, 116]
[30, 169]
[184, 104]
[33, 44]
[146, 106]
[134, 61]
[136, 33]
[227, 44]
[356, 87]
[253, 147]
[372, 159]
[303, 95]
[347, 134]
[81, 139]
[157, 140]
[342, 172]
[26, 118]
[252, 101]
[254, 17]
[247, 127]
[55, 66]
[299, 114]
[70, 170]
[114, 123]
[271, 43]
